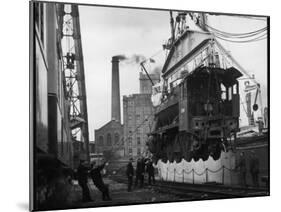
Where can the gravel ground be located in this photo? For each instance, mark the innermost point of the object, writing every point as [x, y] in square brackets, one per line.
[119, 195]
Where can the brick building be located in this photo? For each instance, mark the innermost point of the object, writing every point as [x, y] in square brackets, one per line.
[109, 139]
[138, 117]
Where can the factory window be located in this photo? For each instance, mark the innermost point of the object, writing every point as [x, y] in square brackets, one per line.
[101, 140]
[138, 117]
[116, 138]
[139, 151]
[130, 151]
[130, 141]
[138, 140]
[108, 139]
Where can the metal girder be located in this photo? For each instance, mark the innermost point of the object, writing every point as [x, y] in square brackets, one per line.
[74, 75]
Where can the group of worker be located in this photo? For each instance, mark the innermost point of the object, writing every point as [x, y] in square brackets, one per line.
[94, 171]
[143, 166]
[253, 167]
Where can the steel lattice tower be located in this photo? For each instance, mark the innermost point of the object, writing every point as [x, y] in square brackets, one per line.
[73, 72]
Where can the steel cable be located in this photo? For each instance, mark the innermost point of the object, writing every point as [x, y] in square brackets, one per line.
[262, 37]
[238, 34]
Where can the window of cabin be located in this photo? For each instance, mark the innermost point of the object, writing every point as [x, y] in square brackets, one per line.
[223, 92]
[230, 93]
[235, 89]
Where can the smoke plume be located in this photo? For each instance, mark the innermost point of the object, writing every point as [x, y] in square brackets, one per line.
[131, 60]
[121, 57]
[136, 59]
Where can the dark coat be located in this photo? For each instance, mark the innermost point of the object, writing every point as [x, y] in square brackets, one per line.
[96, 175]
[140, 167]
[150, 168]
[130, 170]
[82, 174]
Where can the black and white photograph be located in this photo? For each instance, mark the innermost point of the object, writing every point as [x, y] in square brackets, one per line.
[136, 105]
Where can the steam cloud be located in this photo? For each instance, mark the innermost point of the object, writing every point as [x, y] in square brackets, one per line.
[121, 57]
[134, 59]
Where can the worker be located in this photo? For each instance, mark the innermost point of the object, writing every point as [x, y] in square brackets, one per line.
[150, 171]
[254, 168]
[82, 176]
[242, 169]
[140, 173]
[130, 174]
[98, 181]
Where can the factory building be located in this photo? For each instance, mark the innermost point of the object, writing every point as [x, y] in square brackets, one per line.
[138, 117]
[109, 137]
[129, 140]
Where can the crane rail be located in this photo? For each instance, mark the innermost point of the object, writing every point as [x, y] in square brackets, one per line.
[187, 191]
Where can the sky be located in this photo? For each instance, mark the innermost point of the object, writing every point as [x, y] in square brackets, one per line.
[106, 32]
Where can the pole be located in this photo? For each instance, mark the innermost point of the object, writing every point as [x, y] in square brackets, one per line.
[146, 73]
[223, 175]
[192, 176]
[172, 26]
[206, 175]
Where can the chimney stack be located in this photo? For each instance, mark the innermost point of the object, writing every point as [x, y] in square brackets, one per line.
[115, 92]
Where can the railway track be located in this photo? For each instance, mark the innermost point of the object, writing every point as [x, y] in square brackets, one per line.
[200, 191]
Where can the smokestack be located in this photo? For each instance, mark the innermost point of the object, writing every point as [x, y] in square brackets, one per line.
[115, 92]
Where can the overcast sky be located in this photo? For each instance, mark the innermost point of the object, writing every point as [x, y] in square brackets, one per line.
[108, 31]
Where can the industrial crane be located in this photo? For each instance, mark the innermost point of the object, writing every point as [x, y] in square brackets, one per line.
[200, 19]
[74, 76]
